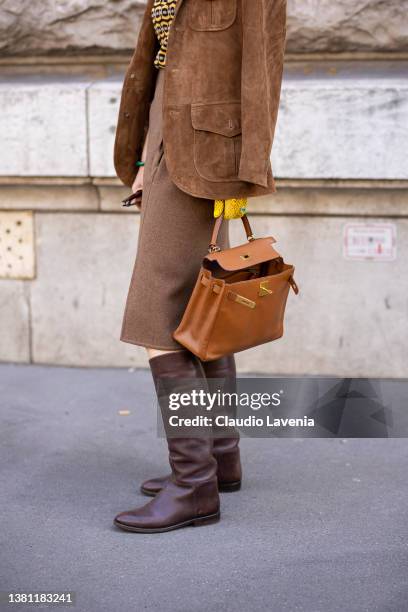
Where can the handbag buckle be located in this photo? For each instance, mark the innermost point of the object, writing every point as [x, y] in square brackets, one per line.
[263, 289]
[235, 297]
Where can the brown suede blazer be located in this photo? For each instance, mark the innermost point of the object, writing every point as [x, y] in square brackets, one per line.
[221, 96]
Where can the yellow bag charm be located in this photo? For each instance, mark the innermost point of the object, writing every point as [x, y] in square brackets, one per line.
[233, 208]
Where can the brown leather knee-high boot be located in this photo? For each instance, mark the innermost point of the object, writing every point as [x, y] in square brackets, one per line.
[222, 375]
[190, 495]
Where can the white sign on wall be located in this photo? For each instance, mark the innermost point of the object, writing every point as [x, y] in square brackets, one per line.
[374, 241]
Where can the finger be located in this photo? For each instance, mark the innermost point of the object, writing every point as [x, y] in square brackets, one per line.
[138, 182]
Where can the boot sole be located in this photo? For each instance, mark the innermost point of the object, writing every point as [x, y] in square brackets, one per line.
[225, 487]
[195, 522]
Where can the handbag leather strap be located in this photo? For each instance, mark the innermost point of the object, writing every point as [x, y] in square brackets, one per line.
[213, 247]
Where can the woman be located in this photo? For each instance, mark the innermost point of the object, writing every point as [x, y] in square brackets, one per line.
[196, 124]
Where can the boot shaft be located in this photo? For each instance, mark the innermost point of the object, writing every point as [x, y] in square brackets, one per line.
[190, 456]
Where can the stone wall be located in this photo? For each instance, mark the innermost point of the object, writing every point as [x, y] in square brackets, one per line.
[50, 26]
[348, 25]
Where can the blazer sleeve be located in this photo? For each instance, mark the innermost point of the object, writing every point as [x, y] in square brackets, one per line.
[263, 47]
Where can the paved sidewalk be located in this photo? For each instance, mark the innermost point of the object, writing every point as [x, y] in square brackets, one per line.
[319, 526]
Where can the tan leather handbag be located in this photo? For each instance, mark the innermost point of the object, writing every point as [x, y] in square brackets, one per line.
[239, 298]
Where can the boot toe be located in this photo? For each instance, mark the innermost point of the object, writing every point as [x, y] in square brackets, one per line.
[125, 519]
[136, 520]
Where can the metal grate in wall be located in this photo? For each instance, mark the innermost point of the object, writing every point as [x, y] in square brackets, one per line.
[17, 255]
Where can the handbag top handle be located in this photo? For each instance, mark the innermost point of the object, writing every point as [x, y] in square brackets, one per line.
[213, 247]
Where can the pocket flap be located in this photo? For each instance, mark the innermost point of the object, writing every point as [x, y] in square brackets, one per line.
[221, 118]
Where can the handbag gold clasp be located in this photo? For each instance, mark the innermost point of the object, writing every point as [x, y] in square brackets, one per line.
[263, 289]
[235, 297]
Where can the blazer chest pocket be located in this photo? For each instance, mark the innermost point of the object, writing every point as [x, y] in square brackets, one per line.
[217, 140]
[210, 15]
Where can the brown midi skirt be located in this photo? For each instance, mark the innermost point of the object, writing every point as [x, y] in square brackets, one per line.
[175, 230]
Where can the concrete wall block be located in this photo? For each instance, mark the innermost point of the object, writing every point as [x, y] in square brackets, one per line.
[103, 106]
[350, 318]
[14, 322]
[49, 197]
[111, 199]
[83, 273]
[374, 201]
[44, 126]
[350, 129]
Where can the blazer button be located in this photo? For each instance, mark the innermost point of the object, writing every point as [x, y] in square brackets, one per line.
[127, 115]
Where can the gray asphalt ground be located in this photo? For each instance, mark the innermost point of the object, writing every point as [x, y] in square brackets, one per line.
[319, 525]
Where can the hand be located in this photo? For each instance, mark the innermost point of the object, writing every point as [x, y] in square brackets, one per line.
[138, 182]
[233, 208]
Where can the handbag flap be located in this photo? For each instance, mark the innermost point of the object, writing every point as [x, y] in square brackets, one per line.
[251, 253]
